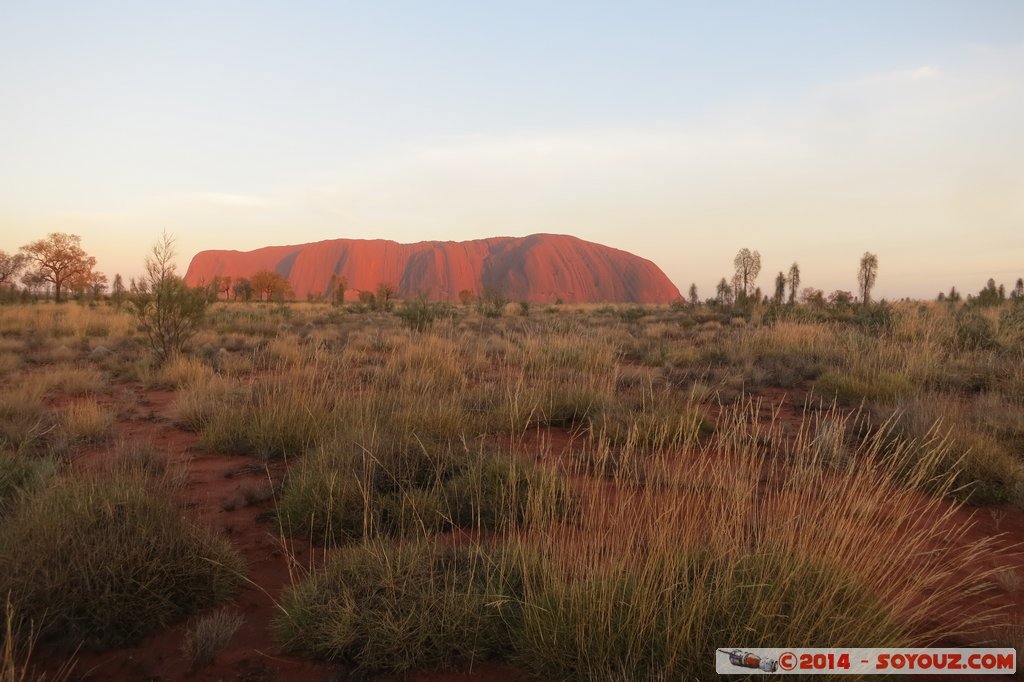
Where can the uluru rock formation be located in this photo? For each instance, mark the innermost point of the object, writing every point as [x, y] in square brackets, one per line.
[540, 268]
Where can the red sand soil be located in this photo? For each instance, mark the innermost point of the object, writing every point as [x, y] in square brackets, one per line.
[215, 491]
[540, 268]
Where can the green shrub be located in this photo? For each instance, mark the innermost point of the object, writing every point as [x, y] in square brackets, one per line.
[1011, 323]
[875, 319]
[167, 309]
[973, 331]
[393, 606]
[111, 560]
[420, 313]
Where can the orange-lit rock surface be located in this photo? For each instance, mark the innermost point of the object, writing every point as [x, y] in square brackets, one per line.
[540, 268]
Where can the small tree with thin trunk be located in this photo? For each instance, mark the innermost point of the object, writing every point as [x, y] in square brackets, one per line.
[59, 260]
[794, 281]
[117, 292]
[723, 293]
[242, 289]
[95, 284]
[867, 275]
[338, 286]
[780, 289]
[385, 296]
[168, 310]
[694, 298]
[748, 267]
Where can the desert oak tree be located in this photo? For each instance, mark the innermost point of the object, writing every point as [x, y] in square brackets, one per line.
[59, 260]
[748, 267]
[867, 275]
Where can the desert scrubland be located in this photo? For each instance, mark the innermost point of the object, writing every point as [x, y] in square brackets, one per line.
[510, 491]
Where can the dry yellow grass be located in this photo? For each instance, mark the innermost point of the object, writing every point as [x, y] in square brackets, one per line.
[87, 421]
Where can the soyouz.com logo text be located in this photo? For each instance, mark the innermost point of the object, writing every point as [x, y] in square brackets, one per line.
[936, 661]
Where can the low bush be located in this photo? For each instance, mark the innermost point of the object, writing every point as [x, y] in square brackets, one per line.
[110, 560]
[972, 331]
[420, 313]
[394, 606]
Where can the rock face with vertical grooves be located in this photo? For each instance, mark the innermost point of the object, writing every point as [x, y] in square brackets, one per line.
[540, 268]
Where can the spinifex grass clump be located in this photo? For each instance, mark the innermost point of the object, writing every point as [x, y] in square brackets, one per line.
[282, 414]
[19, 474]
[407, 488]
[390, 606]
[601, 620]
[24, 420]
[734, 547]
[209, 635]
[106, 560]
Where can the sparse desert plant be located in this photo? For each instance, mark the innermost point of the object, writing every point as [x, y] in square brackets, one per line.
[208, 635]
[181, 371]
[420, 312]
[283, 415]
[324, 499]
[86, 421]
[167, 309]
[645, 583]
[257, 494]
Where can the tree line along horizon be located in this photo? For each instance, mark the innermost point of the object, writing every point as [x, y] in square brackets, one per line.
[59, 265]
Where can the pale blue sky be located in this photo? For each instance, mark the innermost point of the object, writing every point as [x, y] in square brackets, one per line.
[811, 131]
